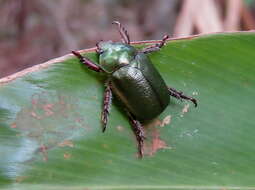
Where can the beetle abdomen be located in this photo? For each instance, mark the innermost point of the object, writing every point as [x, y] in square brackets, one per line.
[144, 98]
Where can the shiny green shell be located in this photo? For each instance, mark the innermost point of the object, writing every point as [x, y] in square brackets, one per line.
[134, 80]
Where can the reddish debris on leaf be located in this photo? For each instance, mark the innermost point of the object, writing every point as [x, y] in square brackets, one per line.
[153, 142]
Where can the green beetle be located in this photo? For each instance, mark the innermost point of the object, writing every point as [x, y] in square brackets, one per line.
[134, 80]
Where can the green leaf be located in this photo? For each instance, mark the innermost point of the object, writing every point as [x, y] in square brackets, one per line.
[50, 130]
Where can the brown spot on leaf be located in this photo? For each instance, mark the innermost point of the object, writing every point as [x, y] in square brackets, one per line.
[65, 143]
[94, 97]
[14, 125]
[34, 99]
[43, 150]
[48, 109]
[185, 109]
[157, 143]
[79, 120]
[120, 128]
[105, 146]
[20, 179]
[67, 156]
[50, 120]
[165, 121]
[153, 142]
[34, 115]
[155, 122]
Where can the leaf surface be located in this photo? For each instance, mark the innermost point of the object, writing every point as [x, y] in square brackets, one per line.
[50, 130]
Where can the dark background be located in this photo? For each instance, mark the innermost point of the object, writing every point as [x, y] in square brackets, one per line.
[34, 31]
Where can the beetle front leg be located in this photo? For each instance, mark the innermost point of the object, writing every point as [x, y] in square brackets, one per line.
[181, 96]
[87, 62]
[155, 47]
[139, 133]
[106, 105]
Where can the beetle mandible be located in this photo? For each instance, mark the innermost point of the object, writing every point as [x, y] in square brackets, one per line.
[134, 80]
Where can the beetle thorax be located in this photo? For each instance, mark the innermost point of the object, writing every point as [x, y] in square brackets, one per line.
[115, 55]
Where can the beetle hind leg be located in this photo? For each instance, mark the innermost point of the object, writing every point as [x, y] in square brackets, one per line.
[139, 133]
[181, 96]
[123, 32]
[155, 47]
[106, 105]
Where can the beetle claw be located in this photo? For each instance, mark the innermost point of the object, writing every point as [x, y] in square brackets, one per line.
[194, 101]
[180, 96]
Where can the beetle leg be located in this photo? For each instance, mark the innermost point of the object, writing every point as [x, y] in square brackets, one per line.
[180, 95]
[87, 62]
[106, 105]
[155, 47]
[123, 32]
[139, 133]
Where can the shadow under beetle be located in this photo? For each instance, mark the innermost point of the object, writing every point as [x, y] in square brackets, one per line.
[133, 80]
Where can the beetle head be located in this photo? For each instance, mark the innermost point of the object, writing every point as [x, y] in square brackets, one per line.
[113, 55]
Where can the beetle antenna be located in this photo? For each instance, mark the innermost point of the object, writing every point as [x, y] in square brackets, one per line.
[123, 32]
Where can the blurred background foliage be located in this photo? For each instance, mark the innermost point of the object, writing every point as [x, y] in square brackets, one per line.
[35, 31]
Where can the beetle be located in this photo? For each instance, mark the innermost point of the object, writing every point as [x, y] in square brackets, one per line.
[133, 79]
